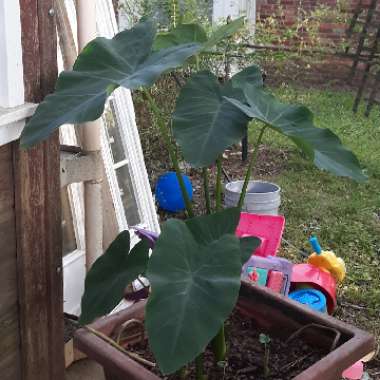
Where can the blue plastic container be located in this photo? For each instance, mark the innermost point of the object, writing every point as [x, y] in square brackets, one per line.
[168, 192]
[310, 297]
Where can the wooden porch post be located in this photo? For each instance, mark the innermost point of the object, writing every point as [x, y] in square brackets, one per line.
[38, 213]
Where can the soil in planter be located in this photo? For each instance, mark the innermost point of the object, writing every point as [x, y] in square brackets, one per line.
[246, 355]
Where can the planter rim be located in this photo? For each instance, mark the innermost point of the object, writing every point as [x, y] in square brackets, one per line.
[330, 367]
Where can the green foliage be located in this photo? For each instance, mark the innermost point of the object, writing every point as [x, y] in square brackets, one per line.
[183, 33]
[173, 11]
[224, 32]
[196, 33]
[321, 146]
[168, 13]
[102, 66]
[247, 246]
[195, 267]
[110, 274]
[204, 123]
[345, 215]
[304, 33]
[195, 277]
[196, 264]
[264, 339]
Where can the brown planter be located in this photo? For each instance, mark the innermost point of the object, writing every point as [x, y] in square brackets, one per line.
[273, 313]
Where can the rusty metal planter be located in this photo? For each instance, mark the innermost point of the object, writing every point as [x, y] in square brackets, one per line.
[273, 313]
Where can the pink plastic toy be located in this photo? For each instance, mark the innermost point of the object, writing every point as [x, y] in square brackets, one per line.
[311, 276]
[355, 372]
[268, 228]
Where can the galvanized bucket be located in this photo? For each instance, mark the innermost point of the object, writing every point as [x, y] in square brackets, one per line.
[261, 197]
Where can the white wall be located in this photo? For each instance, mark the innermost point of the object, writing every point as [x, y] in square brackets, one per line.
[234, 8]
[11, 70]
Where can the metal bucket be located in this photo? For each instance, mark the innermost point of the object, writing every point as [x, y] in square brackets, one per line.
[261, 197]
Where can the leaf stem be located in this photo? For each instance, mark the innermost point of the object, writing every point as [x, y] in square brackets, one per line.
[266, 360]
[206, 189]
[199, 368]
[219, 346]
[172, 152]
[182, 373]
[218, 187]
[251, 165]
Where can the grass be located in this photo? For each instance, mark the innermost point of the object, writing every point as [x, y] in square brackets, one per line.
[344, 215]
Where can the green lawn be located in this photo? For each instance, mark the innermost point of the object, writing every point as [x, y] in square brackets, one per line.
[345, 215]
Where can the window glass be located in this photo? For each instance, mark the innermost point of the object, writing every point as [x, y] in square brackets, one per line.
[68, 234]
[114, 138]
[128, 195]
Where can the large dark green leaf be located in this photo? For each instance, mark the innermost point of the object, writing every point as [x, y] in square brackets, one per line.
[104, 64]
[296, 122]
[204, 122]
[247, 246]
[187, 33]
[182, 34]
[250, 76]
[224, 32]
[195, 286]
[218, 224]
[111, 273]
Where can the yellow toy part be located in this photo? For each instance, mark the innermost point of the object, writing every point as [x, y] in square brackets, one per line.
[328, 261]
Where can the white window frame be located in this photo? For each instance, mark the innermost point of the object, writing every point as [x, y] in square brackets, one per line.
[12, 121]
[11, 69]
[13, 110]
[107, 27]
[74, 262]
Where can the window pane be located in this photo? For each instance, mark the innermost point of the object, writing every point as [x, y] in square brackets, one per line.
[68, 234]
[114, 138]
[128, 195]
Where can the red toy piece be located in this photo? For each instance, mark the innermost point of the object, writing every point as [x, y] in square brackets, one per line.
[275, 281]
[307, 275]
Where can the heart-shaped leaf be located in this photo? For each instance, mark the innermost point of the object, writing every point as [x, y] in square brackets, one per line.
[247, 247]
[103, 65]
[204, 122]
[224, 32]
[195, 285]
[220, 223]
[250, 76]
[110, 274]
[187, 33]
[296, 122]
[182, 34]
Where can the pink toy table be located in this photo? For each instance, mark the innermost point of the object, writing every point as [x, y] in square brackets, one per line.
[268, 228]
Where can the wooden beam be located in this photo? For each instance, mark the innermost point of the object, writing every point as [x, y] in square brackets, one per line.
[65, 35]
[38, 213]
[10, 359]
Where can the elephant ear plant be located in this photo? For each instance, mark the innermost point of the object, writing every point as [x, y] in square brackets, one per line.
[195, 265]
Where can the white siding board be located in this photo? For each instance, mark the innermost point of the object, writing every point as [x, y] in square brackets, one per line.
[11, 69]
